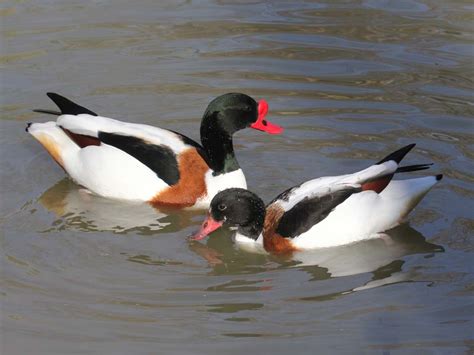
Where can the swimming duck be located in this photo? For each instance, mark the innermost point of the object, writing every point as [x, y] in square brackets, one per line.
[324, 212]
[132, 161]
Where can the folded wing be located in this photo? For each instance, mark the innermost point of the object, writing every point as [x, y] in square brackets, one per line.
[154, 147]
[307, 204]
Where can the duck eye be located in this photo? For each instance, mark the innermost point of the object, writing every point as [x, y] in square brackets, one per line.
[221, 207]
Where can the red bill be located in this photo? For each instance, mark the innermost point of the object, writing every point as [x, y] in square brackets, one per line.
[209, 226]
[262, 124]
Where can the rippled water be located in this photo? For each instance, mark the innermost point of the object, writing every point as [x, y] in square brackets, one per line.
[350, 82]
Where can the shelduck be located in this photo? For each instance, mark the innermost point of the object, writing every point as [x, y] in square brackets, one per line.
[132, 161]
[324, 212]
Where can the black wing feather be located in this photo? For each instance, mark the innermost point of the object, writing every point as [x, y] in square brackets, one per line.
[311, 211]
[162, 160]
[285, 195]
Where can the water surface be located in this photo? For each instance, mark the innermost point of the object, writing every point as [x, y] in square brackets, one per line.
[349, 81]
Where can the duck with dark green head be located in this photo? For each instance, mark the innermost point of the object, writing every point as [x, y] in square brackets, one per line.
[139, 162]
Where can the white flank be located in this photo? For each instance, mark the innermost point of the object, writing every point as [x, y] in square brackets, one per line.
[365, 214]
[105, 170]
[110, 172]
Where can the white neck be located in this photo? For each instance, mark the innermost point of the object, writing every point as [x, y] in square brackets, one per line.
[215, 184]
[249, 244]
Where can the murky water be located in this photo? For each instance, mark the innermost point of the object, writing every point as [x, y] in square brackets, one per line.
[350, 82]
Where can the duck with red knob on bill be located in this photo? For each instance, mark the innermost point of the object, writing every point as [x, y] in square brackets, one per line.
[324, 212]
[132, 161]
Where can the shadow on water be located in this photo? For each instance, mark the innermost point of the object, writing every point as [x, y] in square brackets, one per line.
[76, 208]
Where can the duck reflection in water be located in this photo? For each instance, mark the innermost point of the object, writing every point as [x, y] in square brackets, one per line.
[77, 208]
[383, 257]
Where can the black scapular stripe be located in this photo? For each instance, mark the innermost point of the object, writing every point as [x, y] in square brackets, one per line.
[160, 159]
[187, 140]
[193, 143]
[311, 211]
[285, 195]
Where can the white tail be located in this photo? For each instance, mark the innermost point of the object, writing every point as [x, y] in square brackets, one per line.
[404, 195]
[53, 139]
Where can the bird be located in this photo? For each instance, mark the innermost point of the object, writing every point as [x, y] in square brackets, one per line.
[324, 212]
[138, 162]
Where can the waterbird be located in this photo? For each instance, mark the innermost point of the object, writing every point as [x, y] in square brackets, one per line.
[324, 212]
[132, 161]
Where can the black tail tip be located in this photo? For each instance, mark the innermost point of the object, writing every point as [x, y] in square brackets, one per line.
[398, 155]
[28, 125]
[67, 107]
[439, 177]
